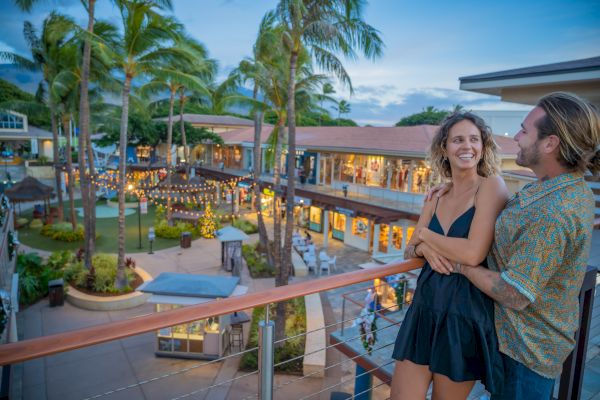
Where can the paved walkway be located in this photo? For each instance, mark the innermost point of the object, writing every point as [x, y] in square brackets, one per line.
[102, 368]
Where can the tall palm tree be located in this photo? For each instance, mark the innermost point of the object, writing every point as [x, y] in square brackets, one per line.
[148, 48]
[326, 91]
[343, 107]
[45, 49]
[324, 28]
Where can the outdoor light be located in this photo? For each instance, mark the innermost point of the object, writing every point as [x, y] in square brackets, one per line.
[130, 187]
[151, 236]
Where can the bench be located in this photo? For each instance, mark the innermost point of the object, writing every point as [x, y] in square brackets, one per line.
[300, 268]
[317, 338]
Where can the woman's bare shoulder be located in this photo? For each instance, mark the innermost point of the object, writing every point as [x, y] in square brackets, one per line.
[493, 186]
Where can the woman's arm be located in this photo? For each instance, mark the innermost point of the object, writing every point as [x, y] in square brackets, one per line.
[490, 200]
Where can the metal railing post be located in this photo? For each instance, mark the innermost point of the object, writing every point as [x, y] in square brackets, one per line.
[343, 313]
[265, 357]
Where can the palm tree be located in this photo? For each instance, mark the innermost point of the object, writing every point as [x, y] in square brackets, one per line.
[45, 49]
[343, 107]
[326, 91]
[324, 27]
[174, 80]
[148, 47]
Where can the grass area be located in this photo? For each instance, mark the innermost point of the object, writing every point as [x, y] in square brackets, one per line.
[106, 228]
[291, 348]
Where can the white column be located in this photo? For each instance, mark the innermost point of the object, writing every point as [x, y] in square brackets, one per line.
[404, 233]
[376, 230]
[318, 169]
[325, 228]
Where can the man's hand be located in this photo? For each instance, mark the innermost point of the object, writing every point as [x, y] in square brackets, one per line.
[438, 191]
[437, 262]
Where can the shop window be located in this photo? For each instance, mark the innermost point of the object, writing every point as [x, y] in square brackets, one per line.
[384, 234]
[315, 215]
[420, 178]
[397, 237]
[347, 168]
[339, 222]
[409, 233]
[360, 227]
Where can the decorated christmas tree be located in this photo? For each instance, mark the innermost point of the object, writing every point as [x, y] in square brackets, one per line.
[207, 223]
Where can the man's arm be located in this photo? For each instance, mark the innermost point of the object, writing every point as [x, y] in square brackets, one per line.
[492, 284]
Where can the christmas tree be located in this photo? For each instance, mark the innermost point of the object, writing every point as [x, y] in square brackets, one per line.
[207, 223]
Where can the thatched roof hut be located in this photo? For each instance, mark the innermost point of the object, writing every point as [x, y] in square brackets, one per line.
[29, 189]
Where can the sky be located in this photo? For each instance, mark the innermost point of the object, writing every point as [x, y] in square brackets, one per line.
[428, 45]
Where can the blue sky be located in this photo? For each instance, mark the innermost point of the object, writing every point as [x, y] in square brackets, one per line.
[429, 44]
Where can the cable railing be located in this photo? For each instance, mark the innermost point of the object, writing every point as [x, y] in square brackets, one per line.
[259, 382]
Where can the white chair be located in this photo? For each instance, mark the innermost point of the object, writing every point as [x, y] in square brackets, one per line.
[331, 262]
[308, 256]
[323, 256]
[325, 266]
[311, 264]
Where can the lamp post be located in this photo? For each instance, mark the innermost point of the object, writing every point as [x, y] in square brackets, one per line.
[139, 213]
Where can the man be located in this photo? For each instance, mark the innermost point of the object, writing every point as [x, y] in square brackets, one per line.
[542, 240]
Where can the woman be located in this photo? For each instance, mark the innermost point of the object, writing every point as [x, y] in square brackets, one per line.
[448, 335]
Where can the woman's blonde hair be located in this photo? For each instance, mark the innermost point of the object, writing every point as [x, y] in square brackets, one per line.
[577, 124]
[488, 165]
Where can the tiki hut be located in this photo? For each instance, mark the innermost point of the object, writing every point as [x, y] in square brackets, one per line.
[30, 189]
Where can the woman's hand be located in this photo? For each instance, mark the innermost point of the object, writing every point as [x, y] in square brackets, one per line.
[438, 191]
[438, 263]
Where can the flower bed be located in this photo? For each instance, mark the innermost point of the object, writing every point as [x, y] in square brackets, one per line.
[256, 262]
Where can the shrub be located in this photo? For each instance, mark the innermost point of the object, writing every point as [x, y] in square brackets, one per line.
[34, 276]
[105, 266]
[23, 221]
[63, 231]
[163, 230]
[245, 226]
[36, 223]
[294, 325]
[257, 263]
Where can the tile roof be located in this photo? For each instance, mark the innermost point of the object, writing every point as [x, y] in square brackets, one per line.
[377, 140]
[227, 120]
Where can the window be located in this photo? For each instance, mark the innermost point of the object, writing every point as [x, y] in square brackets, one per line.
[397, 237]
[339, 222]
[315, 215]
[384, 234]
[360, 227]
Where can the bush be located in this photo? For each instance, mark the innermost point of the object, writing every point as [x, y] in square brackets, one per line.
[257, 263]
[34, 275]
[163, 230]
[63, 231]
[105, 266]
[36, 223]
[294, 325]
[245, 226]
[23, 221]
[129, 198]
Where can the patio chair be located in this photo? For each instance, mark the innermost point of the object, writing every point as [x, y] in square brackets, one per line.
[325, 266]
[331, 262]
[311, 264]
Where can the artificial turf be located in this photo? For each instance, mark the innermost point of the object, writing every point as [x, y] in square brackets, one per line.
[106, 228]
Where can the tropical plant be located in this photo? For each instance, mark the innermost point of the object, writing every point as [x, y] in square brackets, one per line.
[326, 91]
[343, 107]
[149, 48]
[429, 116]
[323, 28]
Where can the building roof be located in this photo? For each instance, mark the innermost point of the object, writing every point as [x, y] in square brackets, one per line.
[204, 119]
[29, 189]
[33, 132]
[526, 85]
[586, 64]
[409, 140]
[208, 286]
[231, 234]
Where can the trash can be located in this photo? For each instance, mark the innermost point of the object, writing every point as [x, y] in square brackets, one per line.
[186, 240]
[56, 292]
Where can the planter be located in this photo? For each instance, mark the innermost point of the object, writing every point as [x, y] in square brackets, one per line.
[115, 204]
[110, 303]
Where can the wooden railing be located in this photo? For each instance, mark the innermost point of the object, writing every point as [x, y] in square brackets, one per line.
[52, 344]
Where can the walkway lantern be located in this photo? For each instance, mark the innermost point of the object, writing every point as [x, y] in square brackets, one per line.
[151, 237]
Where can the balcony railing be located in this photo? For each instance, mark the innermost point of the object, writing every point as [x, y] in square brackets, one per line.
[267, 386]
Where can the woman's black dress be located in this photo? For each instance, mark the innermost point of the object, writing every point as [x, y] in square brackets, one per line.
[450, 323]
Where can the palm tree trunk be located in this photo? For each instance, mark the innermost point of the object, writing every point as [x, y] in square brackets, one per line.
[89, 209]
[286, 259]
[121, 280]
[186, 151]
[262, 229]
[169, 143]
[57, 164]
[67, 131]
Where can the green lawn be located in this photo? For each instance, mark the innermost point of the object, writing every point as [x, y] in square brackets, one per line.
[107, 229]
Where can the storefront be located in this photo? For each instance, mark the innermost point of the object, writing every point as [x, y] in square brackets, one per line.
[202, 339]
[315, 222]
[338, 225]
[392, 238]
[266, 202]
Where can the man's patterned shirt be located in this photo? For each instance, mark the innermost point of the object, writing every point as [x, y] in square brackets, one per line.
[541, 247]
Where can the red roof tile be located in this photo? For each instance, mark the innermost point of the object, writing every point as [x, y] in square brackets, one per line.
[384, 140]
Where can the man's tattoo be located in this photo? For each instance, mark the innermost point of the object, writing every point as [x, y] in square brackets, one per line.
[507, 295]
